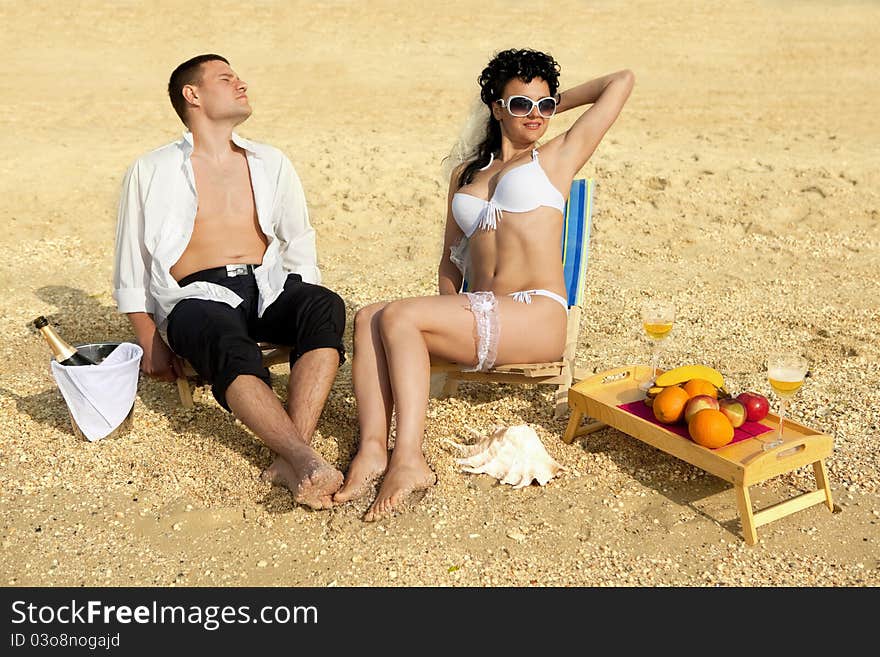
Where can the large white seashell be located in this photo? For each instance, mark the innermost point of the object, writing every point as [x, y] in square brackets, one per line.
[513, 455]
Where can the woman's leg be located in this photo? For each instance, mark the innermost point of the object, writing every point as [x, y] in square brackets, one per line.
[443, 326]
[372, 390]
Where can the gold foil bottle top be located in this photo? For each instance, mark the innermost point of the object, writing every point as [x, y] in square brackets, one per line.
[64, 353]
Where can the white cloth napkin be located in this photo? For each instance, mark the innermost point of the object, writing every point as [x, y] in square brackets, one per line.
[100, 396]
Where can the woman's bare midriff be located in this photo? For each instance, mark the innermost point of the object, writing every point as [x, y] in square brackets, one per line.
[522, 253]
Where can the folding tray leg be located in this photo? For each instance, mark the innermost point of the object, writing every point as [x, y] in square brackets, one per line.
[785, 508]
[573, 430]
[744, 503]
[822, 482]
[573, 423]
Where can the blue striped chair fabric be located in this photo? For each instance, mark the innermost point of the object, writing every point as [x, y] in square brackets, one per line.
[576, 238]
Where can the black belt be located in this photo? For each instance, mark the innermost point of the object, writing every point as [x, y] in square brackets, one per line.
[224, 271]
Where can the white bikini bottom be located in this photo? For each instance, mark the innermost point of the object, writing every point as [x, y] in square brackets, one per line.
[484, 306]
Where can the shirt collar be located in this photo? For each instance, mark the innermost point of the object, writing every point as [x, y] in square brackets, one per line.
[239, 141]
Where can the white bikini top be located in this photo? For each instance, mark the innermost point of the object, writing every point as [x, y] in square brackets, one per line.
[521, 189]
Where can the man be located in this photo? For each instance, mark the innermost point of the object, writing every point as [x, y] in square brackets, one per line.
[214, 252]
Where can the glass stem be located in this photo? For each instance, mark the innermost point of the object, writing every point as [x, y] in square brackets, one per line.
[655, 359]
[781, 418]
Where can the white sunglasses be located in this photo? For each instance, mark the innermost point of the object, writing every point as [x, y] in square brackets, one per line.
[523, 105]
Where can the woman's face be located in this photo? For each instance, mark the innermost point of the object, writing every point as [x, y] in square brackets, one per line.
[528, 128]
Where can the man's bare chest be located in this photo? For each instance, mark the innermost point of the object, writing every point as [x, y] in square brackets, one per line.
[224, 192]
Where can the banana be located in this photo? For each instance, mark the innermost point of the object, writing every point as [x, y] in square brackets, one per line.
[650, 394]
[687, 372]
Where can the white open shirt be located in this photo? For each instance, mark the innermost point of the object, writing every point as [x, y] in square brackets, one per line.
[157, 213]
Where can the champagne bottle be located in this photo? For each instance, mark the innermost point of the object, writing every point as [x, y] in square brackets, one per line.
[65, 353]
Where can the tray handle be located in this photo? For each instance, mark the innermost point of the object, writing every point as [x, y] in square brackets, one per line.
[783, 451]
[609, 376]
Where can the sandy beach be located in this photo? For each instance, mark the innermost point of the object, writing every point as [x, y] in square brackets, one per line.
[740, 179]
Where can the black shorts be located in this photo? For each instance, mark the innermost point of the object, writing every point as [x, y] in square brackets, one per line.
[220, 341]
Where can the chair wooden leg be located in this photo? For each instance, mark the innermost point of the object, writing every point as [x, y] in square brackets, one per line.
[437, 385]
[561, 401]
[744, 503]
[450, 387]
[822, 482]
[562, 391]
[580, 373]
[185, 392]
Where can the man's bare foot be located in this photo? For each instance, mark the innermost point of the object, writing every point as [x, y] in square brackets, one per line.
[366, 466]
[311, 480]
[401, 480]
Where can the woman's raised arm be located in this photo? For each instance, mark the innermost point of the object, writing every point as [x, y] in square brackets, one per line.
[607, 95]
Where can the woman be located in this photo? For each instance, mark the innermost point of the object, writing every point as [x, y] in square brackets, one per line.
[503, 228]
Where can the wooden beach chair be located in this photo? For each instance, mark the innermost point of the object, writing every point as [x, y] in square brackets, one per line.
[561, 373]
[272, 355]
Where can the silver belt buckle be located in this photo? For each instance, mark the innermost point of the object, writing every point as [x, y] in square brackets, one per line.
[236, 270]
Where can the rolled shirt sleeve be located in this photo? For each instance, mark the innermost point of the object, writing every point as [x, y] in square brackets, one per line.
[131, 272]
[295, 233]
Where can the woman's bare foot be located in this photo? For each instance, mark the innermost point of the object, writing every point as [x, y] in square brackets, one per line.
[367, 466]
[311, 480]
[401, 480]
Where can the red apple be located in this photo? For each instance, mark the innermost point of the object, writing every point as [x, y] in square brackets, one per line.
[735, 411]
[699, 403]
[756, 405]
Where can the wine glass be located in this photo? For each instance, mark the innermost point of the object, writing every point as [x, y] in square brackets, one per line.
[657, 319]
[785, 372]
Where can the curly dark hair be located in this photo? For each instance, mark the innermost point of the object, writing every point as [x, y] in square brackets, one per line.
[525, 64]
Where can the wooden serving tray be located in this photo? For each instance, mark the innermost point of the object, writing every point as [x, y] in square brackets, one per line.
[742, 463]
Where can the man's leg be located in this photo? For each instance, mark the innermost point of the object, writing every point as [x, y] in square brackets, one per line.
[213, 337]
[308, 387]
[297, 466]
[311, 319]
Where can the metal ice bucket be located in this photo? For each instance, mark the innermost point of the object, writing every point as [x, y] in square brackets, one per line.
[96, 352]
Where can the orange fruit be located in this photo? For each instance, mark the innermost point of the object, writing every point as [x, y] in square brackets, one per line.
[696, 387]
[669, 404]
[710, 428]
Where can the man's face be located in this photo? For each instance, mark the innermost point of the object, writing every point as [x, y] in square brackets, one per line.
[221, 94]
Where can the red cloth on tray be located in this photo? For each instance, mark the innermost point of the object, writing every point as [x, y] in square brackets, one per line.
[639, 409]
